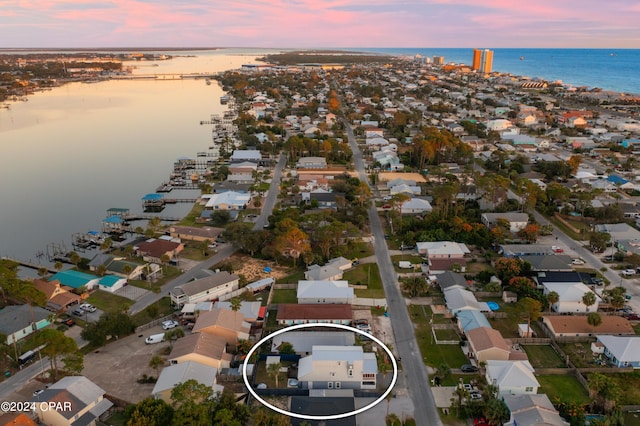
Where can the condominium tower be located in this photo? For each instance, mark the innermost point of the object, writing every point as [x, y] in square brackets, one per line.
[482, 60]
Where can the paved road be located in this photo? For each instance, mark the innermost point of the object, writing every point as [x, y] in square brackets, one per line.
[224, 251]
[10, 386]
[414, 370]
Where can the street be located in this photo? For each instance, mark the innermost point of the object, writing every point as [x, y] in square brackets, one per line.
[407, 349]
[225, 250]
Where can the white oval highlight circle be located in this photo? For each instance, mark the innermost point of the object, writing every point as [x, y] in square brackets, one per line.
[328, 417]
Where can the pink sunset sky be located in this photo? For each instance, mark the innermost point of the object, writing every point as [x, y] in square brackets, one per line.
[319, 23]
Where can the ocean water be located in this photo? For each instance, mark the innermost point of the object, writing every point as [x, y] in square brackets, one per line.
[608, 69]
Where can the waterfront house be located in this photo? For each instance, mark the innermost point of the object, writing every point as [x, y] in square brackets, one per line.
[59, 298]
[207, 349]
[76, 279]
[338, 367]
[224, 323]
[291, 314]
[244, 168]
[87, 402]
[192, 233]
[229, 200]
[204, 289]
[511, 377]
[20, 321]
[623, 351]
[153, 250]
[246, 155]
[578, 325]
[303, 341]
[111, 283]
[118, 266]
[530, 409]
[175, 374]
[322, 292]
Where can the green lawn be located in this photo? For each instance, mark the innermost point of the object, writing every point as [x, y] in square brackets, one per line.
[292, 279]
[415, 261]
[629, 384]
[366, 274]
[108, 302]
[432, 354]
[447, 334]
[170, 273]
[194, 214]
[543, 356]
[565, 388]
[160, 309]
[579, 353]
[285, 296]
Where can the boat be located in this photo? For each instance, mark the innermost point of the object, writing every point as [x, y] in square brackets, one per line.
[522, 58]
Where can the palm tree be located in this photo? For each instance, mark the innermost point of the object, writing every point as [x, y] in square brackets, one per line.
[273, 370]
[74, 258]
[101, 270]
[589, 299]
[106, 244]
[127, 269]
[156, 362]
[552, 298]
[236, 304]
[58, 266]
[594, 319]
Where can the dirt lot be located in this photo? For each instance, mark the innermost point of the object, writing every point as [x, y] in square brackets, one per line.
[253, 269]
[387, 176]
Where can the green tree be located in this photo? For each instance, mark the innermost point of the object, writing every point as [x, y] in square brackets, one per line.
[589, 299]
[286, 348]
[55, 344]
[172, 335]
[594, 319]
[193, 403]
[149, 412]
[273, 370]
[265, 417]
[598, 241]
[74, 258]
[236, 304]
[496, 411]
[507, 268]
[204, 247]
[58, 266]
[603, 391]
[530, 307]
[101, 270]
[73, 362]
[106, 244]
[415, 286]
[552, 298]
[156, 362]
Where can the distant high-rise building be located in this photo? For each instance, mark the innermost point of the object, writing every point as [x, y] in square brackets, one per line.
[486, 61]
[477, 57]
[438, 60]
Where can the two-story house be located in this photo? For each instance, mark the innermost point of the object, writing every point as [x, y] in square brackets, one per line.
[338, 367]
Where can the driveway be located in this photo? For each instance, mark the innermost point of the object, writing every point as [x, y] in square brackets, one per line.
[117, 366]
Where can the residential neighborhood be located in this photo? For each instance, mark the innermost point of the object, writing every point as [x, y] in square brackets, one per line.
[481, 229]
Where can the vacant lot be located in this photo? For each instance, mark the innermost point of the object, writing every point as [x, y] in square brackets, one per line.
[432, 354]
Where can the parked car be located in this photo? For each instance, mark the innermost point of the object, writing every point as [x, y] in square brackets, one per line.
[88, 307]
[577, 261]
[468, 368]
[633, 317]
[628, 272]
[557, 249]
[154, 338]
[78, 312]
[69, 322]
[37, 392]
[166, 325]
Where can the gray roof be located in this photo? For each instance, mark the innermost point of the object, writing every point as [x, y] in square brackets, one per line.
[624, 348]
[198, 286]
[510, 216]
[533, 410]
[556, 262]
[303, 341]
[249, 310]
[175, 374]
[318, 289]
[17, 317]
[319, 273]
[80, 392]
[449, 279]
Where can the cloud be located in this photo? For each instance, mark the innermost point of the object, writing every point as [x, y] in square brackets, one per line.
[317, 23]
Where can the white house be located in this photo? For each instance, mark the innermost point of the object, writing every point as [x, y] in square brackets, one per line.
[498, 125]
[319, 292]
[303, 341]
[623, 351]
[512, 377]
[570, 297]
[312, 163]
[204, 289]
[173, 375]
[242, 155]
[338, 367]
[416, 206]
[86, 402]
[111, 283]
[517, 221]
[458, 299]
[229, 200]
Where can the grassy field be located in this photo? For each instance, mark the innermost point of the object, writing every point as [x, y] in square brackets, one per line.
[160, 309]
[579, 353]
[170, 273]
[447, 334]
[366, 274]
[285, 296]
[108, 302]
[543, 356]
[190, 219]
[292, 279]
[565, 388]
[432, 354]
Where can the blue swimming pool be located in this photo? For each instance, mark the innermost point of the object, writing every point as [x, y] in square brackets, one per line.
[493, 306]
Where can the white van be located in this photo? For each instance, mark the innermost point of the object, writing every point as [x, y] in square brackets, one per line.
[154, 338]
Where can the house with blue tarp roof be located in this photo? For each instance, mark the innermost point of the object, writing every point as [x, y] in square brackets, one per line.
[111, 283]
[620, 182]
[76, 279]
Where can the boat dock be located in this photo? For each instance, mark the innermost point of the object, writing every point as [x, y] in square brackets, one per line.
[30, 264]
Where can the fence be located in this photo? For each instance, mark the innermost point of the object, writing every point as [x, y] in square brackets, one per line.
[531, 340]
[285, 286]
[153, 323]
